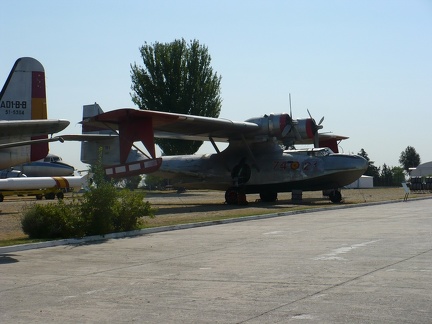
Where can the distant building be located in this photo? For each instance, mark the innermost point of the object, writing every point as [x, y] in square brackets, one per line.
[423, 170]
[362, 182]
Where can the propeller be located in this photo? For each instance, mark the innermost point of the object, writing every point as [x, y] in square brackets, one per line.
[315, 128]
[290, 125]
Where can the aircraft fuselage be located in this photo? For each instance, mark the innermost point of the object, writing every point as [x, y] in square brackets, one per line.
[267, 170]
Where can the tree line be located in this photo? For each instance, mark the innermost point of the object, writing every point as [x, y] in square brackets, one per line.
[392, 175]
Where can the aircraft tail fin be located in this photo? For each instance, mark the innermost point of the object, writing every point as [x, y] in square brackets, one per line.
[23, 97]
[90, 111]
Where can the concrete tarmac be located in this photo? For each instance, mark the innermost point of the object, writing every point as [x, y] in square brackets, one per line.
[358, 265]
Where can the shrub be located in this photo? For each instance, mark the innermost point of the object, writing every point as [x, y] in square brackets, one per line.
[102, 210]
[53, 220]
[129, 210]
[97, 207]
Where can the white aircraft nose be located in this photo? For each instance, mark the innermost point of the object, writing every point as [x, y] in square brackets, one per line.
[362, 163]
[345, 162]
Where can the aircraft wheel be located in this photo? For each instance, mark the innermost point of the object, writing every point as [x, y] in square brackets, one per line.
[50, 196]
[60, 195]
[335, 196]
[268, 196]
[232, 196]
[39, 197]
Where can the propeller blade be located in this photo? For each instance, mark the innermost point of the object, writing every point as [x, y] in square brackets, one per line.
[320, 122]
[286, 130]
[297, 134]
[290, 105]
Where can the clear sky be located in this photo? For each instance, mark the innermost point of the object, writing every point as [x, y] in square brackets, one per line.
[366, 65]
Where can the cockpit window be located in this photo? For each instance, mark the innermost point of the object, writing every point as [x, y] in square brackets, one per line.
[325, 151]
[52, 159]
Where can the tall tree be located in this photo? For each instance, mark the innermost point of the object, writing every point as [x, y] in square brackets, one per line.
[176, 77]
[409, 158]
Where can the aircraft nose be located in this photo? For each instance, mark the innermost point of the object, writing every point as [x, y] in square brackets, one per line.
[348, 162]
[362, 163]
[357, 162]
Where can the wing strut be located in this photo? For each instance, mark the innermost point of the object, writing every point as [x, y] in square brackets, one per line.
[31, 142]
[219, 154]
[255, 164]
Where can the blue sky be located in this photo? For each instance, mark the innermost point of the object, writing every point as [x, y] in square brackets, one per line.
[365, 65]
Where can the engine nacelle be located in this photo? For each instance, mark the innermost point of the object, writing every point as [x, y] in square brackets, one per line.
[283, 127]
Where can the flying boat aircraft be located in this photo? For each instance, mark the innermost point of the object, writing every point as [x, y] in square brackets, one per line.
[255, 160]
[25, 130]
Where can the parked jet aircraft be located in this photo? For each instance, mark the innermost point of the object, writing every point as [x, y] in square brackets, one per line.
[24, 127]
[50, 166]
[253, 162]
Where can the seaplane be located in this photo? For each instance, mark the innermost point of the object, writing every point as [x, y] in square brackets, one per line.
[256, 159]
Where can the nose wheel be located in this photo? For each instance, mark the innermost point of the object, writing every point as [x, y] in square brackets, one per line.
[335, 196]
[268, 196]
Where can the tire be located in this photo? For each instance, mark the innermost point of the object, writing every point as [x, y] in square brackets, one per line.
[268, 196]
[335, 196]
[50, 196]
[231, 196]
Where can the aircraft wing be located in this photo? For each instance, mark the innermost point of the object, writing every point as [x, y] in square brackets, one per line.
[172, 125]
[144, 125]
[35, 127]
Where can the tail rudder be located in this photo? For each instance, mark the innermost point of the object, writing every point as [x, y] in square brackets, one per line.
[23, 96]
[90, 148]
[91, 111]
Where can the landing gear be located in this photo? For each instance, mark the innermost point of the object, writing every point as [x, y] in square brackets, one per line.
[335, 196]
[50, 196]
[268, 196]
[235, 196]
